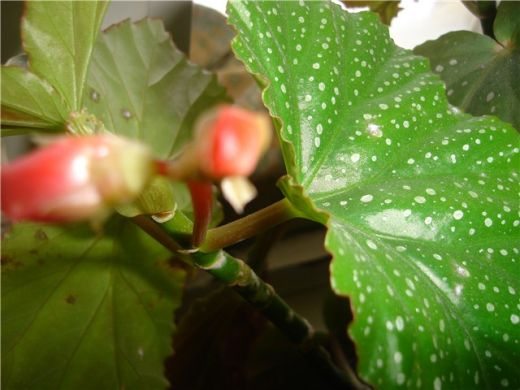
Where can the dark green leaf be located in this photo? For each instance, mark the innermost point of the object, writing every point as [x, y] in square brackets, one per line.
[82, 310]
[387, 10]
[141, 87]
[59, 38]
[212, 343]
[507, 24]
[420, 200]
[276, 363]
[481, 75]
[482, 9]
[223, 343]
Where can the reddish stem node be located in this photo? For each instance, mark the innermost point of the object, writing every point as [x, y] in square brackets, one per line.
[202, 200]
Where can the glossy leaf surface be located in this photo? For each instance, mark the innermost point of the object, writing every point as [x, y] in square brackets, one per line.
[58, 38]
[141, 87]
[420, 200]
[83, 310]
[481, 74]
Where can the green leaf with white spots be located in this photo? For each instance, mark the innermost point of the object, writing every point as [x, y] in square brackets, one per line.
[481, 74]
[420, 200]
[84, 310]
[142, 87]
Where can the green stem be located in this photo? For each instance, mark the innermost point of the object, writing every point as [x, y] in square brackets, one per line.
[239, 276]
[156, 231]
[248, 226]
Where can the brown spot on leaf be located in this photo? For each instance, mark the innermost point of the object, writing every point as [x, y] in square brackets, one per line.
[41, 235]
[9, 262]
[71, 299]
[5, 259]
[6, 227]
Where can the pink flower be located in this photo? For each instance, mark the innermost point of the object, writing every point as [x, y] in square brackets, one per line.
[228, 144]
[75, 178]
[229, 141]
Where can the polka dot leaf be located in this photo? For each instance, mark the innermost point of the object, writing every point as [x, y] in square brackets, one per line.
[481, 74]
[419, 199]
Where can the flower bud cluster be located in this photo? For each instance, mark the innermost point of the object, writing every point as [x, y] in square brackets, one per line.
[75, 178]
[84, 177]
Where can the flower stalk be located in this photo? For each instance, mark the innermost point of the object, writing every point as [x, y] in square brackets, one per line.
[240, 277]
[249, 226]
[202, 200]
[228, 143]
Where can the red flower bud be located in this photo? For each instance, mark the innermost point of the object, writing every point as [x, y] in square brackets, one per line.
[228, 144]
[75, 178]
[229, 141]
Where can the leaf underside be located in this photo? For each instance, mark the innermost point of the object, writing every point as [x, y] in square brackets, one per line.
[57, 38]
[29, 101]
[421, 200]
[84, 311]
[142, 87]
